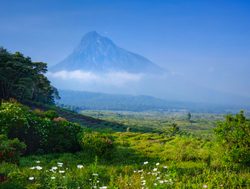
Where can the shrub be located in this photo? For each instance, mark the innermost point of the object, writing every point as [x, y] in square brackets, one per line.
[234, 136]
[97, 143]
[51, 114]
[38, 131]
[63, 137]
[10, 150]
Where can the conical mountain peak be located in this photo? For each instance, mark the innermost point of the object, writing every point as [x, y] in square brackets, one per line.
[98, 53]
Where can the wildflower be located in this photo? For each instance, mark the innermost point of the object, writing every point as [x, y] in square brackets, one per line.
[103, 187]
[32, 168]
[204, 186]
[54, 168]
[53, 178]
[61, 171]
[79, 166]
[155, 169]
[161, 181]
[157, 164]
[155, 184]
[31, 178]
[165, 167]
[37, 161]
[140, 171]
[59, 164]
[145, 163]
[95, 174]
[158, 178]
[39, 168]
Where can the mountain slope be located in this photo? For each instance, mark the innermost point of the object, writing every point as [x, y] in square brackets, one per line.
[96, 53]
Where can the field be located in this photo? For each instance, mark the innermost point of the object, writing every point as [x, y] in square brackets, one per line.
[147, 153]
[199, 124]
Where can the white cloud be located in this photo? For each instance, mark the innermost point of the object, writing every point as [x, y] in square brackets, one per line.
[109, 78]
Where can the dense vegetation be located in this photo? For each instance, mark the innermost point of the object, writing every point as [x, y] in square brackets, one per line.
[24, 80]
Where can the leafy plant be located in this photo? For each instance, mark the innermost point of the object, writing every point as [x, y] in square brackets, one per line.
[10, 150]
[97, 143]
[234, 135]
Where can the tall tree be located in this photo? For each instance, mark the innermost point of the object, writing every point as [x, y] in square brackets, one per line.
[24, 80]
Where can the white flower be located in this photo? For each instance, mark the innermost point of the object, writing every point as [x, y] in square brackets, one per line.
[60, 164]
[157, 164]
[79, 166]
[155, 169]
[37, 161]
[53, 178]
[31, 178]
[165, 167]
[145, 163]
[39, 168]
[158, 178]
[204, 186]
[155, 184]
[140, 171]
[161, 181]
[54, 168]
[32, 168]
[103, 187]
[95, 174]
[61, 171]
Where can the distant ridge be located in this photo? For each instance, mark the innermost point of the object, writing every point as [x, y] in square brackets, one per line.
[96, 53]
[115, 102]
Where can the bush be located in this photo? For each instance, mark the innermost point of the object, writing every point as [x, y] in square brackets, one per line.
[97, 143]
[63, 137]
[10, 150]
[38, 131]
[234, 136]
[51, 114]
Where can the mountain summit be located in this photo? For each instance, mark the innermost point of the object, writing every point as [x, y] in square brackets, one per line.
[96, 53]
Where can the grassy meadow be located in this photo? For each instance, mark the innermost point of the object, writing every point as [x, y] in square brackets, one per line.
[147, 152]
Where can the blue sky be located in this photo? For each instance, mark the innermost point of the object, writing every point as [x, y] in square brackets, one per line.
[205, 41]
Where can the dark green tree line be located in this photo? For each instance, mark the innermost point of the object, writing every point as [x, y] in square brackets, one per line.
[24, 80]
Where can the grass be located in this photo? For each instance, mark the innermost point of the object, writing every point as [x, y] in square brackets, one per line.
[148, 160]
[146, 157]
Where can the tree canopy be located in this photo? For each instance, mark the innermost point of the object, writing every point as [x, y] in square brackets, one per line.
[24, 80]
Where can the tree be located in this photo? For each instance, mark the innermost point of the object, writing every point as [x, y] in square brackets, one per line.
[234, 135]
[189, 116]
[24, 80]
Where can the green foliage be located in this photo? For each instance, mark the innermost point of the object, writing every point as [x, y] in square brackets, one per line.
[51, 114]
[63, 137]
[97, 143]
[10, 150]
[37, 131]
[24, 80]
[234, 135]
